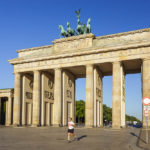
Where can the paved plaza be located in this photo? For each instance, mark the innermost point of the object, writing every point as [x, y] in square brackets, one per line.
[50, 138]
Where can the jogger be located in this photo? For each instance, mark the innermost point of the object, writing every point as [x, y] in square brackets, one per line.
[71, 126]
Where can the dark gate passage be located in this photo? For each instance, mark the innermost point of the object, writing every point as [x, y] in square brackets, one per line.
[3, 111]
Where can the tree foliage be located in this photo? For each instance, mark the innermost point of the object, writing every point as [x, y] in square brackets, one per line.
[107, 113]
[80, 111]
[132, 118]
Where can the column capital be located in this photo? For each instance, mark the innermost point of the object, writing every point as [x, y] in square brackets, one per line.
[17, 73]
[117, 62]
[36, 71]
[90, 65]
[58, 69]
[145, 59]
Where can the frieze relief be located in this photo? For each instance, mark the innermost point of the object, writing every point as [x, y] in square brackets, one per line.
[69, 82]
[31, 84]
[49, 95]
[99, 80]
[69, 93]
[29, 95]
[50, 84]
[69, 90]
[98, 92]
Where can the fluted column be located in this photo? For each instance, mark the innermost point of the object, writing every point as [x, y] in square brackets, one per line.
[146, 85]
[89, 103]
[58, 98]
[17, 99]
[36, 99]
[118, 103]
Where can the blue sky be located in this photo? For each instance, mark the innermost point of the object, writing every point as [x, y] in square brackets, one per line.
[32, 23]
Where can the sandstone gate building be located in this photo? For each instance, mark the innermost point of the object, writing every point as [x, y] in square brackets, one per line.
[44, 90]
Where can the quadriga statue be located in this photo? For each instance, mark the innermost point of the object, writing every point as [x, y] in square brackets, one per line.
[80, 29]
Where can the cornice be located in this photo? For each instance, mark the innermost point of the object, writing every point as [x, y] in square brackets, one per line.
[122, 34]
[80, 52]
[6, 90]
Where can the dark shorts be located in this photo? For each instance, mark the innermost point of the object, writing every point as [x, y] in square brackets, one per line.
[70, 130]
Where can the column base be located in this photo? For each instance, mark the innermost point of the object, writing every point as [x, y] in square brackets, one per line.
[96, 126]
[16, 125]
[124, 126]
[117, 127]
[144, 127]
[57, 125]
[8, 124]
[34, 125]
[89, 126]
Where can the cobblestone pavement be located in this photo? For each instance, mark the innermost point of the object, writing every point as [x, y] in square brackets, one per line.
[50, 138]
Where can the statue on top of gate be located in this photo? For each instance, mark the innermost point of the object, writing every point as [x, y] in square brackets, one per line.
[81, 28]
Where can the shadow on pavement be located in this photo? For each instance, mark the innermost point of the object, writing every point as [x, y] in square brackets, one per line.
[81, 137]
[139, 141]
[138, 137]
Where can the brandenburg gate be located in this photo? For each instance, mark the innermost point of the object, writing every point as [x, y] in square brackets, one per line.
[44, 90]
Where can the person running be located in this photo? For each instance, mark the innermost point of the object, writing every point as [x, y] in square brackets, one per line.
[71, 126]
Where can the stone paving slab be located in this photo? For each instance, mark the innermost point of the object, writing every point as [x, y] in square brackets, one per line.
[45, 138]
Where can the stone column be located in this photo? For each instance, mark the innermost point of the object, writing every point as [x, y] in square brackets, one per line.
[73, 103]
[118, 109]
[98, 100]
[36, 99]
[89, 104]
[42, 101]
[101, 113]
[17, 99]
[145, 85]
[123, 109]
[0, 110]
[58, 98]
[8, 111]
[23, 101]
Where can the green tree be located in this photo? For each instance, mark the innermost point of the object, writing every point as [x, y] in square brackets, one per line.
[132, 118]
[80, 111]
[107, 113]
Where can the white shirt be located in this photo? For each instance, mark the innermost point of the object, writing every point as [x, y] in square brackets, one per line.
[71, 125]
